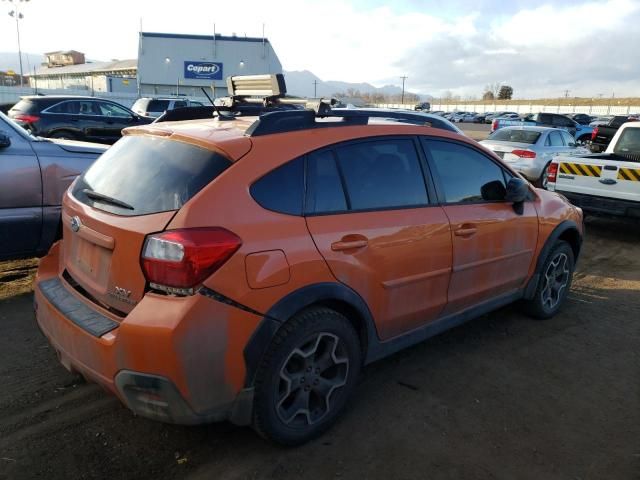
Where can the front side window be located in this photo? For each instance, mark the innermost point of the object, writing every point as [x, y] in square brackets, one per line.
[112, 110]
[569, 141]
[466, 176]
[382, 174]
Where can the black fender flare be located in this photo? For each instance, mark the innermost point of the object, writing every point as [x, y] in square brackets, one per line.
[294, 302]
[561, 228]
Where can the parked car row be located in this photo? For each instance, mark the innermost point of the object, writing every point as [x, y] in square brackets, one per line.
[246, 270]
[88, 119]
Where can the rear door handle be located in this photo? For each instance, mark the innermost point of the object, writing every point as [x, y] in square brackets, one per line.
[348, 245]
[465, 231]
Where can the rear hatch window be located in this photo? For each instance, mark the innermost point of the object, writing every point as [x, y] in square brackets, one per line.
[23, 106]
[628, 144]
[141, 175]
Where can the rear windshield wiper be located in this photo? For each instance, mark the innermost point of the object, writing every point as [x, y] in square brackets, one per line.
[106, 198]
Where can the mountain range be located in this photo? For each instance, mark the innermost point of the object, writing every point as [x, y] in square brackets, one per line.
[9, 61]
[301, 83]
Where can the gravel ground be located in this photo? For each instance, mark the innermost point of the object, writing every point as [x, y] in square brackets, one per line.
[502, 397]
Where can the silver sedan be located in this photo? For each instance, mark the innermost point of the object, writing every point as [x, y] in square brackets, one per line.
[529, 150]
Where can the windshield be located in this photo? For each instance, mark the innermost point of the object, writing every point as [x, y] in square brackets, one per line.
[629, 142]
[516, 136]
[140, 175]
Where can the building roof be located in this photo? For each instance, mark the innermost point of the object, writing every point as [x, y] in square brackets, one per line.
[95, 67]
[224, 38]
[63, 52]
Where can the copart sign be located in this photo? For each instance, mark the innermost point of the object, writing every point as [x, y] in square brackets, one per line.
[203, 70]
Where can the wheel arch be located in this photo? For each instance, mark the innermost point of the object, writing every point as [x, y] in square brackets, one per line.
[567, 231]
[336, 296]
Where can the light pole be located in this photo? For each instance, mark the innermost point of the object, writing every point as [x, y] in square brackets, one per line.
[404, 77]
[15, 13]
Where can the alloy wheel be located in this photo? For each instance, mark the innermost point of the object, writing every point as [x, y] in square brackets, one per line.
[556, 279]
[308, 379]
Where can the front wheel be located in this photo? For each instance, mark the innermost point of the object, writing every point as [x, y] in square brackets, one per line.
[306, 377]
[554, 284]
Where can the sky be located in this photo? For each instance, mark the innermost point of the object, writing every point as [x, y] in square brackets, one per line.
[540, 48]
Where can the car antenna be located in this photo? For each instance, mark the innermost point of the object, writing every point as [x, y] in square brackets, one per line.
[221, 116]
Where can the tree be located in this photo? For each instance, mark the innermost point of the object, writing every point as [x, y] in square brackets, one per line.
[506, 92]
[487, 95]
[493, 88]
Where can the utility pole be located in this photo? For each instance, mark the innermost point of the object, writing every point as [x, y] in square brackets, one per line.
[15, 13]
[566, 93]
[404, 77]
[315, 87]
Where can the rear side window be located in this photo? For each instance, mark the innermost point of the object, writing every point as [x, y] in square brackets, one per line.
[466, 176]
[282, 189]
[324, 187]
[158, 105]
[149, 174]
[382, 174]
[629, 142]
[179, 104]
[555, 140]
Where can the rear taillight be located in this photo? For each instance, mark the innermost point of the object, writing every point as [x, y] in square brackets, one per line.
[176, 261]
[25, 118]
[494, 125]
[594, 134]
[552, 172]
[524, 153]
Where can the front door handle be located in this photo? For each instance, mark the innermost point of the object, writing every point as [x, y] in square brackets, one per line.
[349, 244]
[465, 231]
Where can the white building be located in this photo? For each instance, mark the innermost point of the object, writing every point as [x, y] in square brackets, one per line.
[168, 64]
[172, 63]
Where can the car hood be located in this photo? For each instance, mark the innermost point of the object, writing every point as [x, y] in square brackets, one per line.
[75, 146]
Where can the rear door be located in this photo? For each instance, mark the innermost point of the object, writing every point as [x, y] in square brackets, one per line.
[493, 246]
[369, 213]
[20, 195]
[103, 238]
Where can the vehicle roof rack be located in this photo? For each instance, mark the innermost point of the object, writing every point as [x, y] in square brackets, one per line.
[307, 119]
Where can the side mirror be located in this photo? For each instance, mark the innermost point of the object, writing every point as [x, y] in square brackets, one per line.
[5, 140]
[517, 192]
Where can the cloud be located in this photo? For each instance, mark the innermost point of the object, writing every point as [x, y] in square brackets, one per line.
[588, 49]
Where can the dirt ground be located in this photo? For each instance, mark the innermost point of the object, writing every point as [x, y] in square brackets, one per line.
[502, 397]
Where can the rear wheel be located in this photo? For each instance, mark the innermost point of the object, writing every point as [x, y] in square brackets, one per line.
[554, 284]
[543, 181]
[306, 377]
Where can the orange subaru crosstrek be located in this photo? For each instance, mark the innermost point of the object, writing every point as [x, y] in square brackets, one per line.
[247, 269]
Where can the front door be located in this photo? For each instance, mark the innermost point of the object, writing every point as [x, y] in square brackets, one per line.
[20, 196]
[114, 118]
[493, 245]
[369, 214]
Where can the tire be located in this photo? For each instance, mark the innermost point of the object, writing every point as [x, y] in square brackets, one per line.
[542, 182]
[63, 135]
[554, 285]
[306, 376]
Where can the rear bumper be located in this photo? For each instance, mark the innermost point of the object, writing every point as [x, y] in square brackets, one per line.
[603, 205]
[173, 359]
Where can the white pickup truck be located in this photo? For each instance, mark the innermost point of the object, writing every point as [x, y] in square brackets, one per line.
[603, 183]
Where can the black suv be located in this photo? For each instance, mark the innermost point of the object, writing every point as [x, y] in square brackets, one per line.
[77, 118]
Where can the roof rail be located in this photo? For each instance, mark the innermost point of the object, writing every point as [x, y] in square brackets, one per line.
[292, 120]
